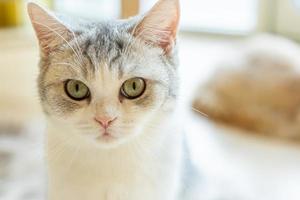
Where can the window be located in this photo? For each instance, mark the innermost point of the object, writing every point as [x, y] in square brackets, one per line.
[219, 16]
[297, 3]
[212, 16]
[96, 9]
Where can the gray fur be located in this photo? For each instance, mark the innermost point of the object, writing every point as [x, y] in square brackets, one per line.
[109, 44]
[107, 127]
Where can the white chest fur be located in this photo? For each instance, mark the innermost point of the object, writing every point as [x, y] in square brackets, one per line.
[140, 170]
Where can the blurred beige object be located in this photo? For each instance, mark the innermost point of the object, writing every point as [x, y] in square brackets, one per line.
[258, 89]
[130, 8]
[18, 71]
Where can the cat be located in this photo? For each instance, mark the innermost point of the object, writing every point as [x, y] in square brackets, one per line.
[109, 91]
[257, 89]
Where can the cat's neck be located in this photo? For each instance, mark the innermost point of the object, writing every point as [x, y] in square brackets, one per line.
[144, 148]
[139, 163]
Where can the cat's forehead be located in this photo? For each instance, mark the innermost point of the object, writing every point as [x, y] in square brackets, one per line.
[106, 39]
[114, 48]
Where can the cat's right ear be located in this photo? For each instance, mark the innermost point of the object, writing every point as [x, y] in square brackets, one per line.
[49, 30]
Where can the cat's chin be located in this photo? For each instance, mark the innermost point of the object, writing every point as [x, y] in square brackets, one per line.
[106, 141]
[106, 138]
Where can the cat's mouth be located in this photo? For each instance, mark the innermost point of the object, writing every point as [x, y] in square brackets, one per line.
[106, 136]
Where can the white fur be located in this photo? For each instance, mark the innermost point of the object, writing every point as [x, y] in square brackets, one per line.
[143, 169]
[138, 157]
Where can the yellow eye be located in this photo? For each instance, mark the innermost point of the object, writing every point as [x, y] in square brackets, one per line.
[76, 90]
[133, 88]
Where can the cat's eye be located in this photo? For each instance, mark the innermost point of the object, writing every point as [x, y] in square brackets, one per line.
[76, 90]
[133, 88]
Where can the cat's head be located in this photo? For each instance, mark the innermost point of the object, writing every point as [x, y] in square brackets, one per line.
[108, 82]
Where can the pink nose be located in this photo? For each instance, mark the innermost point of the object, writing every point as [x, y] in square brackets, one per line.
[105, 121]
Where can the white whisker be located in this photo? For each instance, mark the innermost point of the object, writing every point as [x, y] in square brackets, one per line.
[200, 112]
[57, 33]
[76, 68]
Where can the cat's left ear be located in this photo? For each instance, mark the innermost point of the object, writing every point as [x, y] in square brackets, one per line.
[50, 31]
[159, 26]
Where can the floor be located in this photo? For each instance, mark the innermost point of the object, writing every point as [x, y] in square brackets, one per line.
[236, 165]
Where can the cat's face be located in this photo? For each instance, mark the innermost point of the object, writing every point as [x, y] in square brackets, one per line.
[106, 83]
[127, 88]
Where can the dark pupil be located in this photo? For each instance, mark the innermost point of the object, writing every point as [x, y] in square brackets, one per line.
[134, 85]
[77, 87]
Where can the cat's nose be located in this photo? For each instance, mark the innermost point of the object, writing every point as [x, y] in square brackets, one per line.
[105, 121]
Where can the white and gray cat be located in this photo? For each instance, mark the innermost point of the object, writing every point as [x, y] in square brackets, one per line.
[110, 92]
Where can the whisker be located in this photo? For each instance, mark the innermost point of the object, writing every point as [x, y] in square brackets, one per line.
[76, 68]
[200, 112]
[54, 31]
[79, 49]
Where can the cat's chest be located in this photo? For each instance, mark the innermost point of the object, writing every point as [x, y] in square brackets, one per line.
[147, 179]
[131, 191]
[147, 174]
[105, 179]
[104, 188]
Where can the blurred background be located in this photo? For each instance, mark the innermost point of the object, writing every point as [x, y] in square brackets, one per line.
[235, 165]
